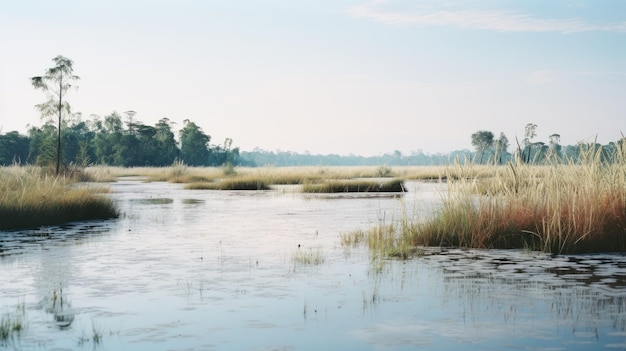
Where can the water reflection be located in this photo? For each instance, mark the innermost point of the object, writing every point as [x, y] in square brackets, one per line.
[200, 269]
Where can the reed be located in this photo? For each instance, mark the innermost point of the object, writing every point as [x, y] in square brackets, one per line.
[353, 186]
[309, 256]
[29, 197]
[10, 326]
[560, 208]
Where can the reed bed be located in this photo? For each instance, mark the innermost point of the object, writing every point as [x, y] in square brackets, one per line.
[180, 173]
[237, 183]
[560, 208]
[30, 197]
[355, 186]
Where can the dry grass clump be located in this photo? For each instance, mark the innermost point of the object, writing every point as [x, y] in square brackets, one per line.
[355, 186]
[29, 197]
[236, 183]
[558, 208]
[311, 256]
[564, 208]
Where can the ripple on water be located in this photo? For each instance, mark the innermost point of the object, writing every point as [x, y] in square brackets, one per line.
[214, 270]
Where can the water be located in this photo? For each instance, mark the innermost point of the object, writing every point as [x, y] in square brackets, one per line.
[211, 270]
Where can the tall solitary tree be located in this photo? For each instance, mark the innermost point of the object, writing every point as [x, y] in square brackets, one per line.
[55, 83]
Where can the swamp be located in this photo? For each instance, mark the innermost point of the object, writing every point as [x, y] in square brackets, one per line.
[186, 268]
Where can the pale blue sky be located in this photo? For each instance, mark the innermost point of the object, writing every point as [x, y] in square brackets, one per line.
[329, 76]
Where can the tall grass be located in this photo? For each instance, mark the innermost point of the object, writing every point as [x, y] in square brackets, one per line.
[559, 208]
[30, 197]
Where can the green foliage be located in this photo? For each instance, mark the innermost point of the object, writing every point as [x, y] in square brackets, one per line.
[194, 145]
[13, 148]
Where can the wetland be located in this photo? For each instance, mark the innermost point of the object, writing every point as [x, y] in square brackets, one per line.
[267, 270]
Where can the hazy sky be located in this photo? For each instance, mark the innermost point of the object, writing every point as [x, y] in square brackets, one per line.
[329, 76]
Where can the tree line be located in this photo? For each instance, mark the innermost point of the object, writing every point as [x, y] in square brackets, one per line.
[491, 150]
[111, 141]
[66, 139]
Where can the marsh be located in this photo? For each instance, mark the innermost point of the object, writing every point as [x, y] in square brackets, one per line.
[203, 269]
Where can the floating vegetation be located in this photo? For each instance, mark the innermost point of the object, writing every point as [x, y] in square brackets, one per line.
[155, 201]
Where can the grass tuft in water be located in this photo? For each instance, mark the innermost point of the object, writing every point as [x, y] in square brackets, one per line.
[308, 256]
[239, 183]
[96, 336]
[355, 186]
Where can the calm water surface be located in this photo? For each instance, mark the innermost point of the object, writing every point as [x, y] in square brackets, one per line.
[210, 270]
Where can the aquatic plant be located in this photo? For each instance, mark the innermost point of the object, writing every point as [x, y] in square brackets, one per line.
[96, 336]
[11, 325]
[311, 256]
[30, 198]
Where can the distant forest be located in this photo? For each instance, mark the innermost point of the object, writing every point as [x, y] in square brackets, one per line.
[129, 143]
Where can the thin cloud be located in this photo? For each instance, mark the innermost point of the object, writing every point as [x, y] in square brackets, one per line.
[502, 21]
[542, 77]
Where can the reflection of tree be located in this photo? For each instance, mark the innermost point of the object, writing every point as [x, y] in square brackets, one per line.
[54, 274]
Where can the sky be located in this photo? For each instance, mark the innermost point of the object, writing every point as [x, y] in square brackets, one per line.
[363, 77]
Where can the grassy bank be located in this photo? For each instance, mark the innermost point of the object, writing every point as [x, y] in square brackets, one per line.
[29, 197]
[562, 208]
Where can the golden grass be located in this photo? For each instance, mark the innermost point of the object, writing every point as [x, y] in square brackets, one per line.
[29, 197]
[564, 208]
[311, 256]
[312, 178]
[236, 183]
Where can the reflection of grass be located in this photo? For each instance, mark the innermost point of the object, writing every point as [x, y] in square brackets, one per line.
[156, 201]
[31, 198]
[372, 297]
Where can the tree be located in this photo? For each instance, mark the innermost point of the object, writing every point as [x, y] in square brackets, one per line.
[482, 140]
[193, 144]
[56, 83]
[13, 148]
